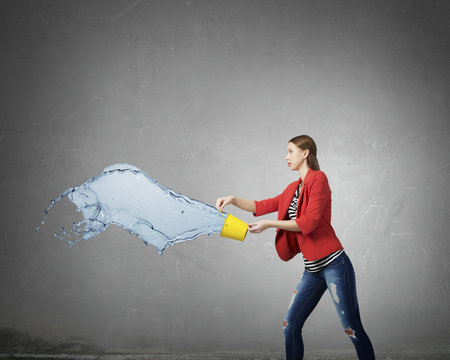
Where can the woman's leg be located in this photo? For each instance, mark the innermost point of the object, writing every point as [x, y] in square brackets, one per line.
[340, 278]
[304, 300]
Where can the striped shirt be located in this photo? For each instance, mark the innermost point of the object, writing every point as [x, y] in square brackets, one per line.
[317, 265]
[313, 265]
[292, 211]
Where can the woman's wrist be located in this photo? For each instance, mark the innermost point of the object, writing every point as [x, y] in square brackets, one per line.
[290, 225]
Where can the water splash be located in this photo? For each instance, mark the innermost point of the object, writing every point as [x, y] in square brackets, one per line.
[126, 196]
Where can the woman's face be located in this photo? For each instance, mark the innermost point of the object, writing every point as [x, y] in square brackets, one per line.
[295, 156]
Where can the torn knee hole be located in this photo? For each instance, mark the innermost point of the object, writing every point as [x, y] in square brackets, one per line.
[333, 289]
[350, 332]
[292, 298]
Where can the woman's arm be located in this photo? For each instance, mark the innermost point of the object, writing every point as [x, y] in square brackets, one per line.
[244, 204]
[259, 226]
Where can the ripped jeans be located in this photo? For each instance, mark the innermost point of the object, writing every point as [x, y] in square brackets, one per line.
[339, 278]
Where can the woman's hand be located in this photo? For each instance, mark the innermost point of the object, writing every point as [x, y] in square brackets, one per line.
[223, 201]
[259, 226]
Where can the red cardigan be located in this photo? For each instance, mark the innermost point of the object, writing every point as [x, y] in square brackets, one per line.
[316, 237]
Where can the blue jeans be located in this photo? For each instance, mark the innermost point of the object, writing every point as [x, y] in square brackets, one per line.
[339, 278]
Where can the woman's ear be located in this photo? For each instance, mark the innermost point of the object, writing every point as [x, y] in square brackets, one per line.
[305, 153]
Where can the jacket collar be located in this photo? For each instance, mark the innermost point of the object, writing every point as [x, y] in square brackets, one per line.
[307, 179]
[284, 209]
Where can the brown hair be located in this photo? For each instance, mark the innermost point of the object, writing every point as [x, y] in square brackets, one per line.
[306, 142]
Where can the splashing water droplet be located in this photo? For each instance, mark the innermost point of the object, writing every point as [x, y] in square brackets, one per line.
[126, 196]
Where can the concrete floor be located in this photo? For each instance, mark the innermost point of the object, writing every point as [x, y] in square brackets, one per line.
[219, 356]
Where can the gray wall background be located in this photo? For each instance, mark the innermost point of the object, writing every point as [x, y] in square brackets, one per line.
[203, 96]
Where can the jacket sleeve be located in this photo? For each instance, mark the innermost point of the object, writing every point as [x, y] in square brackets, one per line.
[267, 206]
[319, 194]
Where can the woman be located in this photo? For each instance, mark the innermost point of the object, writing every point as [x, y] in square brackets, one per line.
[304, 225]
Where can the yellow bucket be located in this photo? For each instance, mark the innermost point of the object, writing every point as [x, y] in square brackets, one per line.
[234, 228]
